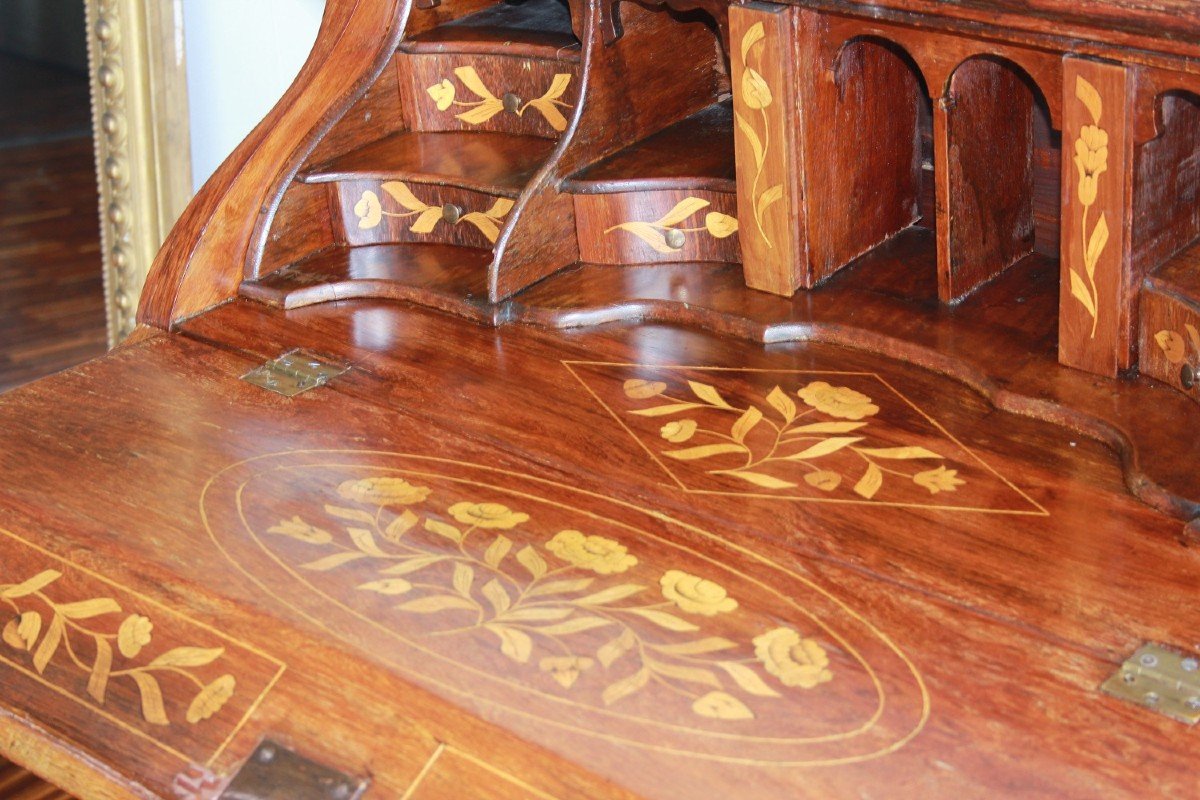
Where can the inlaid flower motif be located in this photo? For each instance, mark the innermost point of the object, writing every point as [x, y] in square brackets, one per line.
[696, 595]
[383, 492]
[442, 94]
[756, 93]
[938, 480]
[369, 210]
[720, 225]
[212, 698]
[133, 635]
[488, 515]
[1091, 159]
[22, 631]
[678, 431]
[565, 669]
[720, 705]
[638, 389]
[791, 658]
[600, 555]
[300, 530]
[838, 401]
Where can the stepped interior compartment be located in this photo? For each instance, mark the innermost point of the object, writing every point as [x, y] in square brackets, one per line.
[534, 28]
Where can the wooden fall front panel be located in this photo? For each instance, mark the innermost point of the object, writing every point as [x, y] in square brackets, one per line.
[587, 516]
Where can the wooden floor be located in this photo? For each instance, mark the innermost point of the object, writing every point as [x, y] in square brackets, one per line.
[51, 283]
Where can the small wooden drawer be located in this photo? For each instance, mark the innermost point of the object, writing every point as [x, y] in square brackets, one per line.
[657, 226]
[449, 92]
[385, 212]
[1169, 349]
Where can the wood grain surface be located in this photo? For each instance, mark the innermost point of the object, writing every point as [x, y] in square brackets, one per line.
[459, 413]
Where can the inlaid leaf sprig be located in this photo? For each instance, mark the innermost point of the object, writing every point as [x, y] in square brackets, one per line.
[574, 604]
[488, 105]
[370, 212]
[663, 235]
[834, 420]
[45, 628]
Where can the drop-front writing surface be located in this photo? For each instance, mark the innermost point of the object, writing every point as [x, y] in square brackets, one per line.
[657, 401]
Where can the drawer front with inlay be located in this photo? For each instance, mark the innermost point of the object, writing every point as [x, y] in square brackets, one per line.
[489, 93]
[383, 212]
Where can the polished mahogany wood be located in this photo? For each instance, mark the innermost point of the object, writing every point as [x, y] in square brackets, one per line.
[1014, 584]
[495, 163]
[587, 515]
[693, 154]
[1096, 314]
[531, 28]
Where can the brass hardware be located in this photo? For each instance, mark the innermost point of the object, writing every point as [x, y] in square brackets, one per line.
[294, 372]
[675, 239]
[274, 772]
[1187, 376]
[452, 213]
[512, 103]
[1160, 679]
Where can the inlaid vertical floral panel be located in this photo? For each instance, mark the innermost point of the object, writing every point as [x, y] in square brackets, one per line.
[765, 118]
[1096, 298]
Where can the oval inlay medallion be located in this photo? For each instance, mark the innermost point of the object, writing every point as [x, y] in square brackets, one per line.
[564, 612]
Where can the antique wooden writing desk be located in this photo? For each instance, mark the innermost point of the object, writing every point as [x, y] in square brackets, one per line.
[671, 401]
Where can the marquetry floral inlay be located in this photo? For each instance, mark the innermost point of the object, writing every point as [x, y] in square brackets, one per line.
[488, 105]
[782, 442]
[664, 234]
[1091, 161]
[44, 628]
[1175, 347]
[370, 212]
[567, 604]
[755, 95]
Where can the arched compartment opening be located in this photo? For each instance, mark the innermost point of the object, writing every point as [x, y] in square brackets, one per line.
[1000, 170]
[865, 172]
[1166, 188]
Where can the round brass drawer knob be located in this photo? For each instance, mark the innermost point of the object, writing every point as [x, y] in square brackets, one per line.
[675, 239]
[1187, 376]
[452, 213]
[512, 103]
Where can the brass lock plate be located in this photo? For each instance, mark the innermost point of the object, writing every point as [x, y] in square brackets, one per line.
[276, 773]
[1160, 679]
[295, 372]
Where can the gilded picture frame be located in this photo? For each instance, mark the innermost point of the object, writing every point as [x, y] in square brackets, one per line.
[143, 148]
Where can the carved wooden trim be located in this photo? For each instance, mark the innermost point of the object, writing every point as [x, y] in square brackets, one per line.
[139, 111]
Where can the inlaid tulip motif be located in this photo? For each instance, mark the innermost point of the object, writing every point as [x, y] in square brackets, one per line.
[583, 611]
[1091, 161]
[754, 94]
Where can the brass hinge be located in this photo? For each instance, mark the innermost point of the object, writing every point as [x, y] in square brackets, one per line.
[1160, 679]
[294, 372]
[276, 773]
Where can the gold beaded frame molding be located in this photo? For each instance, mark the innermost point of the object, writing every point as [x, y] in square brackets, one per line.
[143, 147]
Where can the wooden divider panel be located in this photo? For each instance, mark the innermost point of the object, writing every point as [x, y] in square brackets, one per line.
[769, 164]
[1098, 294]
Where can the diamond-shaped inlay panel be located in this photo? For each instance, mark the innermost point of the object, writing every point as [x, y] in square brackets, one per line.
[809, 435]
